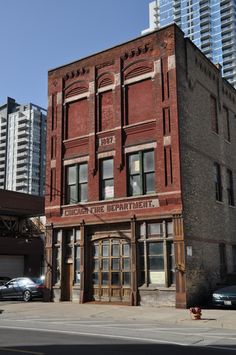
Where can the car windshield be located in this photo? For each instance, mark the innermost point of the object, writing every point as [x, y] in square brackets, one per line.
[37, 280]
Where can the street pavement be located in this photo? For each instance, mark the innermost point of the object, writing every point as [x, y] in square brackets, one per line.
[211, 318]
[60, 328]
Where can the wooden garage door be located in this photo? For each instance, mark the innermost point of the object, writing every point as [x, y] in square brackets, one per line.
[11, 265]
[111, 275]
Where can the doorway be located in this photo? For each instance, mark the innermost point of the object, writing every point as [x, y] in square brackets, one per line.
[111, 270]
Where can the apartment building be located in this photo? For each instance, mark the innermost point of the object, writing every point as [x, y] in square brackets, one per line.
[141, 166]
[22, 147]
[210, 24]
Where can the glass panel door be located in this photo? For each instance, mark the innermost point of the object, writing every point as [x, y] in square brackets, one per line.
[111, 276]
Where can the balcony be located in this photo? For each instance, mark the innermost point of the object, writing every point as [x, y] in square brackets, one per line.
[227, 37]
[20, 185]
[23, 133]
[230, 50]
[205, 21]
[21, 162]
[227, 32]
[22, 169]
[22, 148]
[204, 6]
[206, 37]
[3, 131]
[3, 145]
[22, 119]
[3, 123]
[22, 155]
[225, 14]
[22, 127]
[23, 140]
[21, 177]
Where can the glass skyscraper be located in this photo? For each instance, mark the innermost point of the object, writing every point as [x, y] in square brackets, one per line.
[210, 24]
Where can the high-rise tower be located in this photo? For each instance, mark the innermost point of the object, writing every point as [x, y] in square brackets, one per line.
[22, 147]
[210, 24]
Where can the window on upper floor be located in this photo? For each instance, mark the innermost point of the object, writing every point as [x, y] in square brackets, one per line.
[217, 182]
[226, 123]
[107, 179]
[230, 187]
[214, 118]
[141, 173]
[76, 183]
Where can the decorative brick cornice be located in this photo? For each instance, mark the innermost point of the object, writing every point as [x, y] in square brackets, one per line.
[137, 51]
[228, 92]
[204, 67]
[75, 73]
[105, 64]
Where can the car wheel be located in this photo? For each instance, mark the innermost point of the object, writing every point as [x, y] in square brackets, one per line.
[26, 296]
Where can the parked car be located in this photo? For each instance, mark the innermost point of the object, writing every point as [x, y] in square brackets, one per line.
[22, 288]
[4, 279]
[225, 296]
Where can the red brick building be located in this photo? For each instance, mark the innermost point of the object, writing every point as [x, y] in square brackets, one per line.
[122, 206]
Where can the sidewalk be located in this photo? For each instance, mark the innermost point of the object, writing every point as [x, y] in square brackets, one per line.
[211, 318]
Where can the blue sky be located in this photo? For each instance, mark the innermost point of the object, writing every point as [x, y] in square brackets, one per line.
[37, 35]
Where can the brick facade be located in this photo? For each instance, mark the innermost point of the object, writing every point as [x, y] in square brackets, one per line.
[137, 97]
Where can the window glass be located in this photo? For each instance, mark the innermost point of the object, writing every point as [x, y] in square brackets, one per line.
[150, 182]
[83, 192]
[126, 263]
[134, 164]
[71, 175]
[108, 189]
[141, 173]
[171, 253]
[156, 263]
[115, 264]
[126, 250]
[77, 183]
[107, 180]
[148, 161]
[105, 248]
[77, 264]
[58, 264]
[105, 278]
[154, 228]
[72, 194]
[107, 168]
[115, 250]
[69, 236]
[217, 180]
[135, 185]
[169, 228]
[126, 278]
[105, 264]
[115, 278]
[57, 236]
[77, 234]
[95, 278]
[83, 173]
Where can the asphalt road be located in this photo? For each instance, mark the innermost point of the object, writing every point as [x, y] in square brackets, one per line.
[41, 329]
[25, 342]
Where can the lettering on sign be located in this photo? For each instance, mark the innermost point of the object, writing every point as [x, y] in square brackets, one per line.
[113, 207]
[106, 141]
